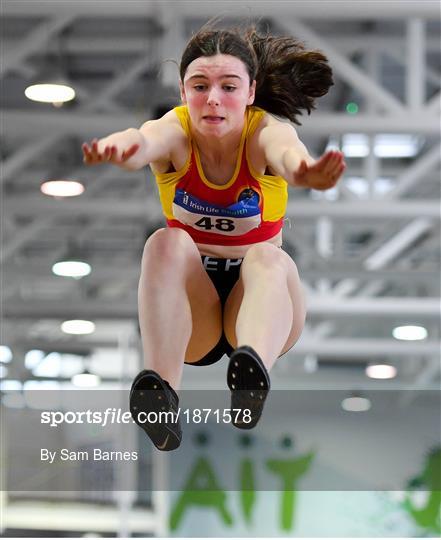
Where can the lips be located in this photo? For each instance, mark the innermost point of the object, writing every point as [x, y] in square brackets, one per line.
[213, 119]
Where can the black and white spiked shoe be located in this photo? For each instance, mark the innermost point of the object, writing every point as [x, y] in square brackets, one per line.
[151, 397]
[249, 382]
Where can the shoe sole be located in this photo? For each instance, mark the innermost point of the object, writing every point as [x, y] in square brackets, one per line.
[248, 380]
[153, 398]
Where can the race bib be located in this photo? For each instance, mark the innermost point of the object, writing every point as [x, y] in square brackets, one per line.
[236, 219]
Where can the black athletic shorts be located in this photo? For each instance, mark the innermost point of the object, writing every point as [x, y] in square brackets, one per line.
[223, 273]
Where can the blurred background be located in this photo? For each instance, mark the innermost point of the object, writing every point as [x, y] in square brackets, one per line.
[368, 252]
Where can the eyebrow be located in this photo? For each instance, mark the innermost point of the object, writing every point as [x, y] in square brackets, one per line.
[226, 76]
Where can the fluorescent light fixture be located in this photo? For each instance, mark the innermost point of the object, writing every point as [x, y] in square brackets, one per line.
[381, 371]
[386, 145]
[41, 385]
[360, 186]
[50, 93]
[86, 380]
[62, 188]
[75, 269]
[409, 333]
[33, 358]
[78, 327]
[396, 145]
[355, 145]
[11, 385]
[70, 365]
[5, 354]
[357, 185]
[328, 194]
[356, 404]
[49, 366]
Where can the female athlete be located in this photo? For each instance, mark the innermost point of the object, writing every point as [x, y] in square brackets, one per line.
[216, 280]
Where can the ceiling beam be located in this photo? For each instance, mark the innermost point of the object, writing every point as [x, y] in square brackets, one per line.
[30, 124]
[24, 235]
[30, 206]
[416, 63]
[122, 80]
[346, 69]
[341, 9]
[398, 243]
[341, 348]
[420, 170]
[67, 516]
[325, 306]
[348, 44]
[24, 271]
[26, 153]
[36, 39]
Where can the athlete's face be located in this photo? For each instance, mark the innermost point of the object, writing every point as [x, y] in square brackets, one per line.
[217, 91]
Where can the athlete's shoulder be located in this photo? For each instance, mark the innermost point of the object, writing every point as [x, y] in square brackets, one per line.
[264, 125]
[170, 121]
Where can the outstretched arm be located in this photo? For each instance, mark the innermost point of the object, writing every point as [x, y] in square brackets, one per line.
[133, 149]
[118, 148]
[288, 157]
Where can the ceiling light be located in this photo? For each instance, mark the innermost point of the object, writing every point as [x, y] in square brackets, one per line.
[33, 358]
[49, 366]
[75, 269]
[50, 92]
[360, 186]
[396, 145]
[356, 404]
[5, 354]
[355, 145]
[62, 188]
[85, 379]
[11, 385]
[78, 327]
[386, 145]
[381, 371]
[409, 333]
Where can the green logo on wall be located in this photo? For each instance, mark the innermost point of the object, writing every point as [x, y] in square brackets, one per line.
[203, 489]
[429, 516]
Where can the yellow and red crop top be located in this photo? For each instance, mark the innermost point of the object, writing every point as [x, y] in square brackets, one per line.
[249, 208]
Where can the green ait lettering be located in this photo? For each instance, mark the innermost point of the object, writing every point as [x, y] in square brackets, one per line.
[428, 517]
[248, 489]
[201, 490]
[290, 470]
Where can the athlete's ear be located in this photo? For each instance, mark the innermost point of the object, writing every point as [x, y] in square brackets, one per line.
[182, 92]
[252, 93]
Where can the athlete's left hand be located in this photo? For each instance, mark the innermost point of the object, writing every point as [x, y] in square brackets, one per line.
[323, 173]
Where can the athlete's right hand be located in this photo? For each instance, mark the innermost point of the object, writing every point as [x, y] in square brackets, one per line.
[117, 148]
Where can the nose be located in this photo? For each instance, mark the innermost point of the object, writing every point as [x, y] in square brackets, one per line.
[213, 97]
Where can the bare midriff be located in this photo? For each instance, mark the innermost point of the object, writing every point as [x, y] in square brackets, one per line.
[234, 252]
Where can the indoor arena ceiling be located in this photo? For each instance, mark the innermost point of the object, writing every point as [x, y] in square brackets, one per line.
[368, 251]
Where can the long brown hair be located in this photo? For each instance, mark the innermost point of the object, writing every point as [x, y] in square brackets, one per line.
[288, 77]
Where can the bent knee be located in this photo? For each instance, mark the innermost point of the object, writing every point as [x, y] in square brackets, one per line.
[267, 256]
[168, 245]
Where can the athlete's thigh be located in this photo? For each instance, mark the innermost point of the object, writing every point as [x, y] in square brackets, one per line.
[206, 313]
[296, 293]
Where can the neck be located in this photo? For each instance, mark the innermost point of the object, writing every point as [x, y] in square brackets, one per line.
[216, 149]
